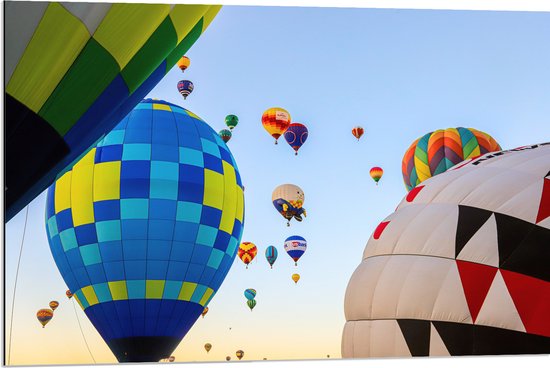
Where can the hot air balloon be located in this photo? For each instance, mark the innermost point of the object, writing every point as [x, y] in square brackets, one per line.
[247, 252]
[288, 200]
[231, 121]
[250, 294]
[204, 311]
[358, 132]
[251, 304]
[185, 88]
[44, 316]
[184, 63]
[295, 278]
[69, 294]
[73, 71]
[225, 135]
[145, 233]
[239, 354]
[295, 246]
[461, 266]
[296, 136]
[172, 359]
[228, 358]
[54, 304]
[207, 347]
[276, 120]
[376, 174]
[271, 255]
[438, 151]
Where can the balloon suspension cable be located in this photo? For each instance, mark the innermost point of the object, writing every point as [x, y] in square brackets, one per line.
[296, 153]
[82, 332]
[16, 277]
[276, 142]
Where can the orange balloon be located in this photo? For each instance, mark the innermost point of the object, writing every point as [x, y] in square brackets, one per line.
[276, 121]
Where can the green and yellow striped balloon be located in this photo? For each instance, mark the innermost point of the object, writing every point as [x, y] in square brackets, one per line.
[438, 151]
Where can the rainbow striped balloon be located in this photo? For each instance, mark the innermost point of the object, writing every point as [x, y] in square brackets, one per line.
[438, 151]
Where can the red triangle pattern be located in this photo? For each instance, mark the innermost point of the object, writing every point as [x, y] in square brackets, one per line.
[531, 297]
[476, 281]
[544, 206]
[412, 194]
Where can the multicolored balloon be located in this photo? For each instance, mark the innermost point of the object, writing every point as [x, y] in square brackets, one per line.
[271, 255]
[288, 200]
[185, 88]
[376, 174]
[130, 227]
[358, 132]
[438, 151]
[296, 135]
[239, 354]
[73, 71]
[250, 294]
[184, 63]
[44, 316]
[207, 347]
[69, 294]
[295, 278]
[276, 121]
[295, 246]
[247, 252]
[225, 135]
[204, 311]
[54, 304]
[251, 304]
[231, 121]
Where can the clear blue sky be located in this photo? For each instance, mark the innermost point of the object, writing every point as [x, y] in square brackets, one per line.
[398, 73]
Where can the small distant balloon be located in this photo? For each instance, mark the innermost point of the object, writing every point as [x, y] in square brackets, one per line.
[276, 121]
[54, 304]
[247, 251]
[295, 246]
[296, 135]
[228, 358]
[271, 255]
[295, 278]
[357, 132]
[231, 121]
[44, 316]
[205, 310]
[69, 294]
[185, 87]
[239, 354]
[207, 347]
[251, 304]
[172, 359]
[184, 63]
[376, 173]
[225, 135]
[250, 294]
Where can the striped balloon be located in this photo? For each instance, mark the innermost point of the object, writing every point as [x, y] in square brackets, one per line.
[276, 121]
[44, 316]
[376, 173]
[271, 255]
[357, 132]
[250, 294]
[436, 152]
[247, 252]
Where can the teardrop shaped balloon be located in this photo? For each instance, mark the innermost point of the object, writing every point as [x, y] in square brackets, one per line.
[271, 255]
[231, 121]
[147, 227]
[185, 88]
[172, 359]
[357, 132]
[204, 311]
[296, 135]
[276, 121]
[69, 294]
[207, 347]
[250, 294]
[247, 252]
[228, 358]
[184, 63]
[376, 173]
[288, 200]
[239, 354]
[225, 135]
[295, 246]
[54, 304]
[251, 304]
[295, 278]
[44, 316]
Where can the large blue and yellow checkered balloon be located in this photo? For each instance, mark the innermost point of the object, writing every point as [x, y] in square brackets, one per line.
[145, 227]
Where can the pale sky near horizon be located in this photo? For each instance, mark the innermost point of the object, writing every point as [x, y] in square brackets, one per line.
[398, 73]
